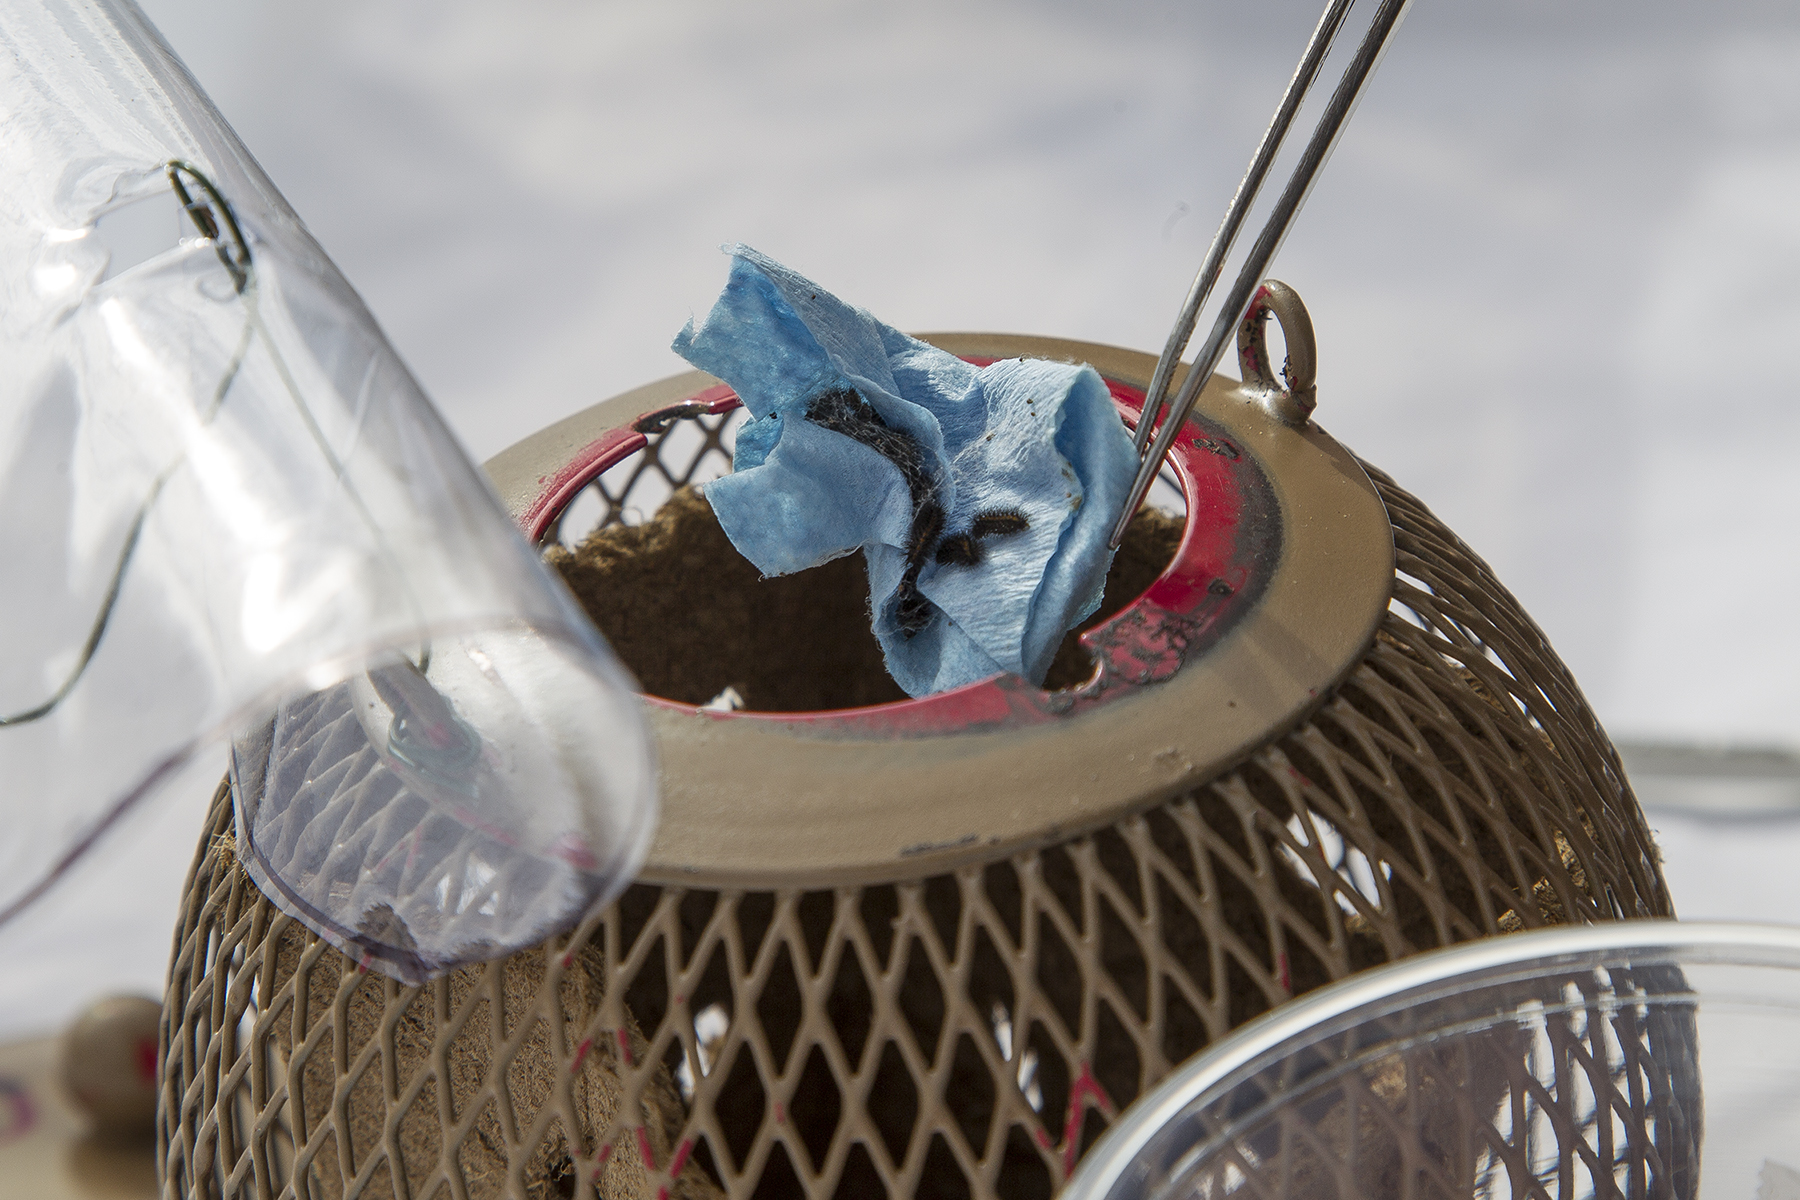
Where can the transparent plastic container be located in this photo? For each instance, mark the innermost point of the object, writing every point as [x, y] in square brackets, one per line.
[231, 513]
[1637, 1059]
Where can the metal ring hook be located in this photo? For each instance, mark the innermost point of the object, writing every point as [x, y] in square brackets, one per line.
[1293, 395]
[233, 250]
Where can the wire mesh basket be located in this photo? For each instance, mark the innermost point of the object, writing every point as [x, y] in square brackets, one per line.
[964, 1022]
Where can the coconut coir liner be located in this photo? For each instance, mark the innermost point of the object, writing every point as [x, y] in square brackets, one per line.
[517, 987]
[690, 616]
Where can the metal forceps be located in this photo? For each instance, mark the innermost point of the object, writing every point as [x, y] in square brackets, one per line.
[1237, 302]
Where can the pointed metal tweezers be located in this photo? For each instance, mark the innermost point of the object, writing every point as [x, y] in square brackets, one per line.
[1243, 291]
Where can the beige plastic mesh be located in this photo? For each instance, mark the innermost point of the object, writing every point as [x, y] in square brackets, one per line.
[963, 1035]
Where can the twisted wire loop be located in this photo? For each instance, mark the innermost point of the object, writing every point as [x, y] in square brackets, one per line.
[967, 1034]
[214, 218]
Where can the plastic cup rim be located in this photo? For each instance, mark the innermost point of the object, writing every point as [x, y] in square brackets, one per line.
[1769, 945]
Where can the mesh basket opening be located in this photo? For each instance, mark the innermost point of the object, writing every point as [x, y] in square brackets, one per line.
[691, 617]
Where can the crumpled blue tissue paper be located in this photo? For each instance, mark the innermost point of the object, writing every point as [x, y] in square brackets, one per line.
[982, 497]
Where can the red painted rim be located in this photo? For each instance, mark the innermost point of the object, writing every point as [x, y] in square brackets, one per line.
[1228, 551]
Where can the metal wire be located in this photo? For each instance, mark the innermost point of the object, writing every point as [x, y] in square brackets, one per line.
[233, 251]
[1237, 303]
[236, 259]
[212, 215]
[1241, 200]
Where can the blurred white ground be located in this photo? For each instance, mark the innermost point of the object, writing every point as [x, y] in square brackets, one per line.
[1554, 265]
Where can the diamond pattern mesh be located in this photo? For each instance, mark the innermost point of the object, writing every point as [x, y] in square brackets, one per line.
[963, 1035]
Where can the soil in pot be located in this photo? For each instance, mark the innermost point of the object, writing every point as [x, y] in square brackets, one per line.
[690, 616]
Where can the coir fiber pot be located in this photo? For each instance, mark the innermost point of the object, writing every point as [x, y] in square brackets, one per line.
[932, 947]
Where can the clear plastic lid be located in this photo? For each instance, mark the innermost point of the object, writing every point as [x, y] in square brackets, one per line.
[1630, 1059]
[229, 510]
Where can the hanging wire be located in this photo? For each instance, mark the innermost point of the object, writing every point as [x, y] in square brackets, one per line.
[1243, 291]
[234, 254]
[212, 215]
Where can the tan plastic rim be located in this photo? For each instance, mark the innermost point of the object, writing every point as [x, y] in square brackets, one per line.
[762, 803]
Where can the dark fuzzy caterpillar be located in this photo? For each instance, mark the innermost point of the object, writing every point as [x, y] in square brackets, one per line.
[959, 550]
[998, 522]
[913, 612]
[927, 524]
[843, 410]
[964, 549]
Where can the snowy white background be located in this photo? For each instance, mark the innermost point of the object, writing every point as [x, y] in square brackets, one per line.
[1554, 265]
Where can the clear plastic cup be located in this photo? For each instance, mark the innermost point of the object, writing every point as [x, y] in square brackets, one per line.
[1637, 1059]
[231, 513]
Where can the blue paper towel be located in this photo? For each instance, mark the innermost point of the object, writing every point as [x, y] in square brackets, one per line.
[981, 497]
